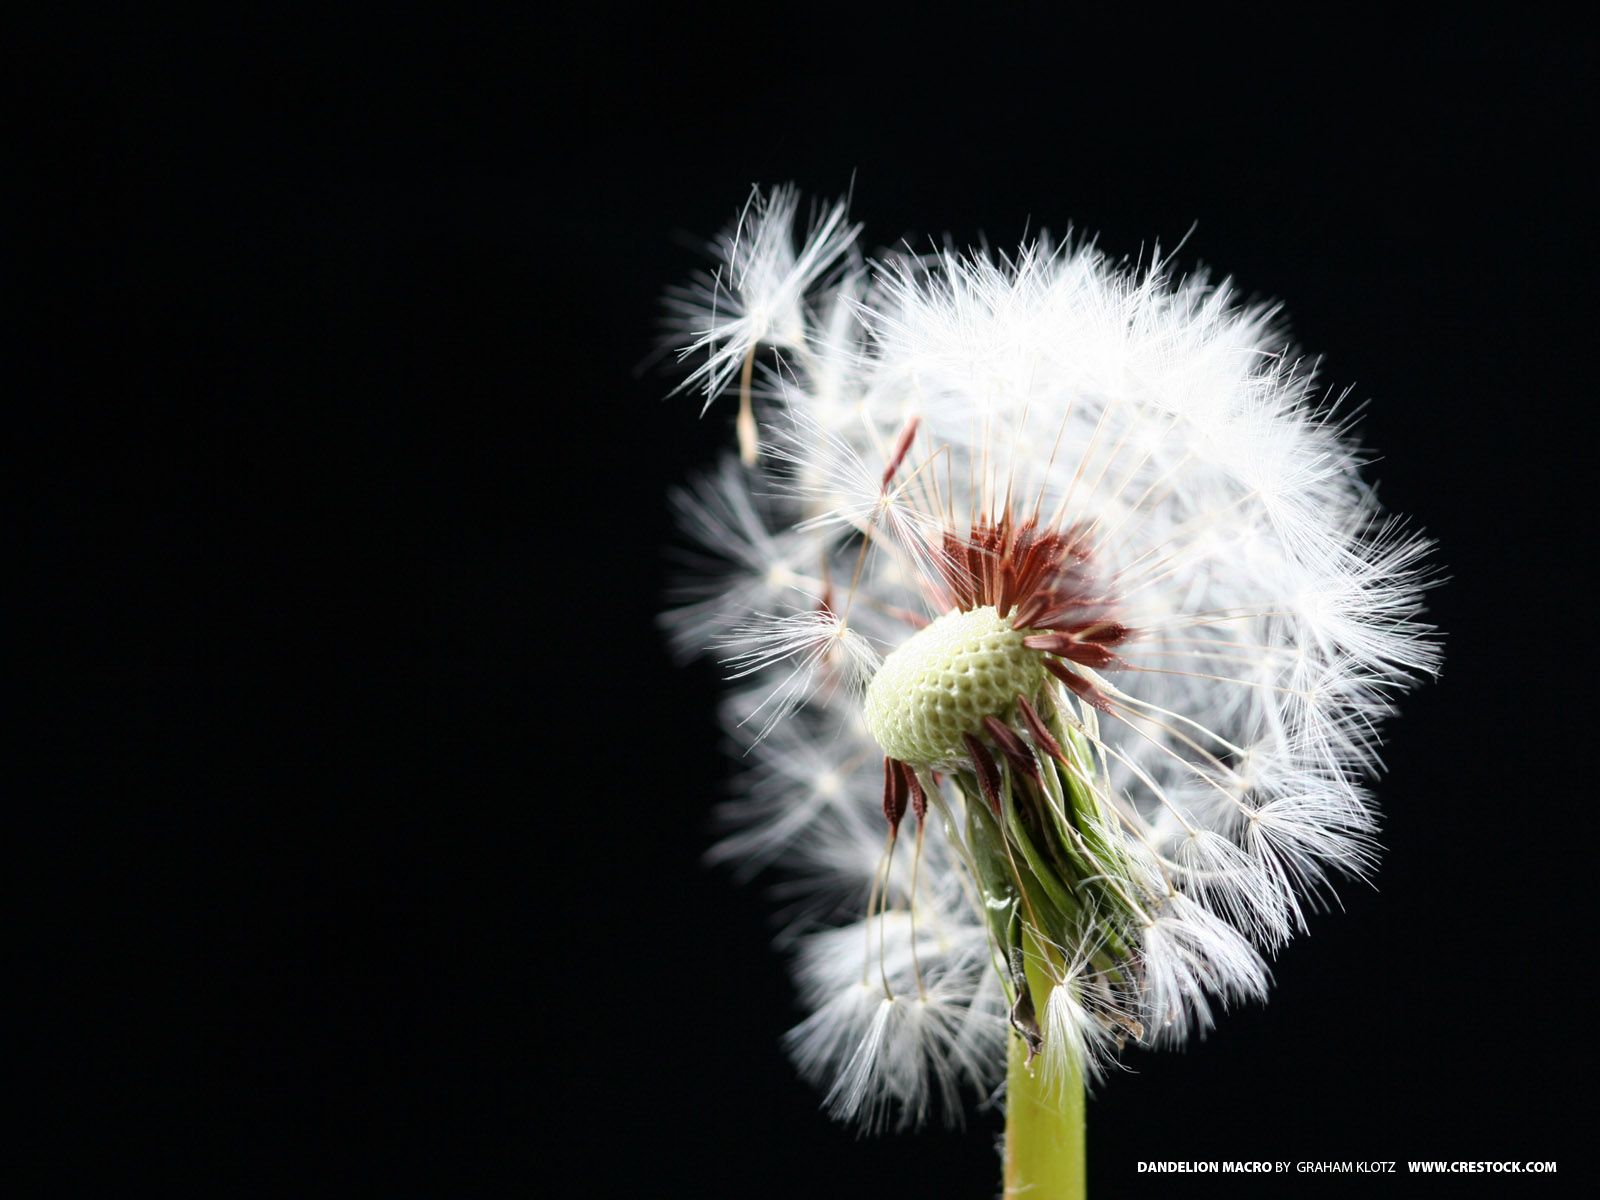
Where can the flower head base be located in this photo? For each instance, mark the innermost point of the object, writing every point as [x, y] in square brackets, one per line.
[1126, 619]
[943, 682]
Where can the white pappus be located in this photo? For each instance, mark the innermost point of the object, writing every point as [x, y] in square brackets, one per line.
[1059, 622]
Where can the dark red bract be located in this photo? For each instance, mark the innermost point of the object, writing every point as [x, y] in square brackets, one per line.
[1041, 578]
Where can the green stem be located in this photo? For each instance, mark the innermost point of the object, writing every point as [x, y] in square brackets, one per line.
[1044, 1157]
[1044, 1134]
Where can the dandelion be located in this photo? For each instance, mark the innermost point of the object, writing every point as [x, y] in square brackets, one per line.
[1060, 624]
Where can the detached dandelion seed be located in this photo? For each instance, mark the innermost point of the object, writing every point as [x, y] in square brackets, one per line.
[1059, 623]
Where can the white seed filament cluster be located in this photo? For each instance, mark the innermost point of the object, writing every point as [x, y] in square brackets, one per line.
[944, 680]
[936, 402]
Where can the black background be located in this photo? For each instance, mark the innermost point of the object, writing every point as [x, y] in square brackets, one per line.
[366, 843]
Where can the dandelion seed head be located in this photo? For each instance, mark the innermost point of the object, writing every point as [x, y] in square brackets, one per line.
[1061, 626]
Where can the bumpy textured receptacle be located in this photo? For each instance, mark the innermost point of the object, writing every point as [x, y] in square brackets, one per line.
[944, 680]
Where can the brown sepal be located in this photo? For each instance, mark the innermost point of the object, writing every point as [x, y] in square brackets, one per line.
[1013, 747]
[987, 769]
[919, 801]
[894, 794]
[1042, 736]
[1078, 685]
